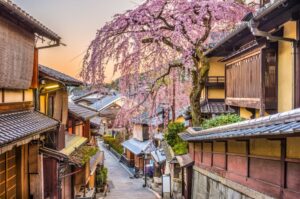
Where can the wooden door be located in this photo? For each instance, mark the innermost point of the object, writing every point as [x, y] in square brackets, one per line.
[8, 175]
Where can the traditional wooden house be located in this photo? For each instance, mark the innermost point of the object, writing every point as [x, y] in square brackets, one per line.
[87, 97]
[87, 155]
[22, 128]
[108, 107]
[261, 61]
[258, 158]
[58, 163]
[213, 95]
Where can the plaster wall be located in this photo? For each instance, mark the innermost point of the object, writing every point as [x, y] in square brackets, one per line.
[216, 93]
[138, 132]
[286, 68]
[217, 68]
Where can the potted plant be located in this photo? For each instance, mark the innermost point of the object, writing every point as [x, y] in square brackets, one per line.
[101, 178]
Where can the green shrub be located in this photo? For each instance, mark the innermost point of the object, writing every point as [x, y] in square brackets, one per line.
[114, 143]
[221, 120]
[174, 128]
[101, 176]
[179, 146]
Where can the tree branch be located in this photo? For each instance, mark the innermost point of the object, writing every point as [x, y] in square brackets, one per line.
[165, 41]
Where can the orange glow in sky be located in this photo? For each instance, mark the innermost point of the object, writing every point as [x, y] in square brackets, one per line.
[76, 21]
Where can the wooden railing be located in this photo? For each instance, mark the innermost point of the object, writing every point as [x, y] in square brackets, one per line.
[215, 81]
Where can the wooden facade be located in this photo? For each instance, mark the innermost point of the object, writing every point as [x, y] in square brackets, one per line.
[261, 78]
[21, 165]
[252, 163]
[251, 80]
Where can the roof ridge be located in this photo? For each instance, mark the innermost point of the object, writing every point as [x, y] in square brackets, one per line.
[279, 118]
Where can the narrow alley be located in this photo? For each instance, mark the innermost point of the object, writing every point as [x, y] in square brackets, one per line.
[121, 185]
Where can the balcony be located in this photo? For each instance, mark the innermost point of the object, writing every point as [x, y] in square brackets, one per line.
[215, 81]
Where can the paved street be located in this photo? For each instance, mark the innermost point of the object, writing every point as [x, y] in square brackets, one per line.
[121, 186]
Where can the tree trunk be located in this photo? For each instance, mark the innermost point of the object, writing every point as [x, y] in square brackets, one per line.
[199, 77]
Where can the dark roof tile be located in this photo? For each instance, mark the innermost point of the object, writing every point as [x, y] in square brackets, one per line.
[19, 14]
[18, 125]
[66, 79]
[280, 124]
[82, 112]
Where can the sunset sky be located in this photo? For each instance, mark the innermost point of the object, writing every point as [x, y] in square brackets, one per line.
[76, 21]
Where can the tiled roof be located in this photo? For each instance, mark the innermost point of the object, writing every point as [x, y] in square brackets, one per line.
[159, 155]
[216, 108]
[138, 147]
[145, 118]
[82, 112]
[105, 102]
[18, 125]
[184, 160]
[15, 12]
[209, 107]
[281, 124]
[79, 94]
[260, 14]
[96, 121]
[66, 79]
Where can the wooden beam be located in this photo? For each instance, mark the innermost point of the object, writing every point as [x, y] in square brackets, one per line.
[297, 69]
[262, 83]
[248, 158]
[3, 95]
[35, 76]
[16, 106]
[212, 154]
[243, 102]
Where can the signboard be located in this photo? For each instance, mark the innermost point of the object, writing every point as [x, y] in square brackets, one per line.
[166, 185]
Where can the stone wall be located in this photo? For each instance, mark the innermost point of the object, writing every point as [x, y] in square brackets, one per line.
[210, 186]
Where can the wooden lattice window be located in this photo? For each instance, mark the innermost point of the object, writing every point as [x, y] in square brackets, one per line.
[8, 175]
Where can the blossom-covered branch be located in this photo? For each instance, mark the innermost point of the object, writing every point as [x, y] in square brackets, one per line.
[142, 42]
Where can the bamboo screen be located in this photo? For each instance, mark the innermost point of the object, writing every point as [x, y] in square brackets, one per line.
[8, 175]
[243, 78]
[16, 56]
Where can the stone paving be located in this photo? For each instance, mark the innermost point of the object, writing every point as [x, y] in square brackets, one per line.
[121, 185]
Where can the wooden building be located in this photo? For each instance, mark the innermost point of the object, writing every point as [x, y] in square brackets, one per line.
[107, 104]
[23, 130]
[87, 156]
[261, 60]
[58, 164]
[108, 107]
[213, 94]
[258, 158]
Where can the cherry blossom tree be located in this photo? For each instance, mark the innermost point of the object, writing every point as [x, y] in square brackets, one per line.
[166, 41]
